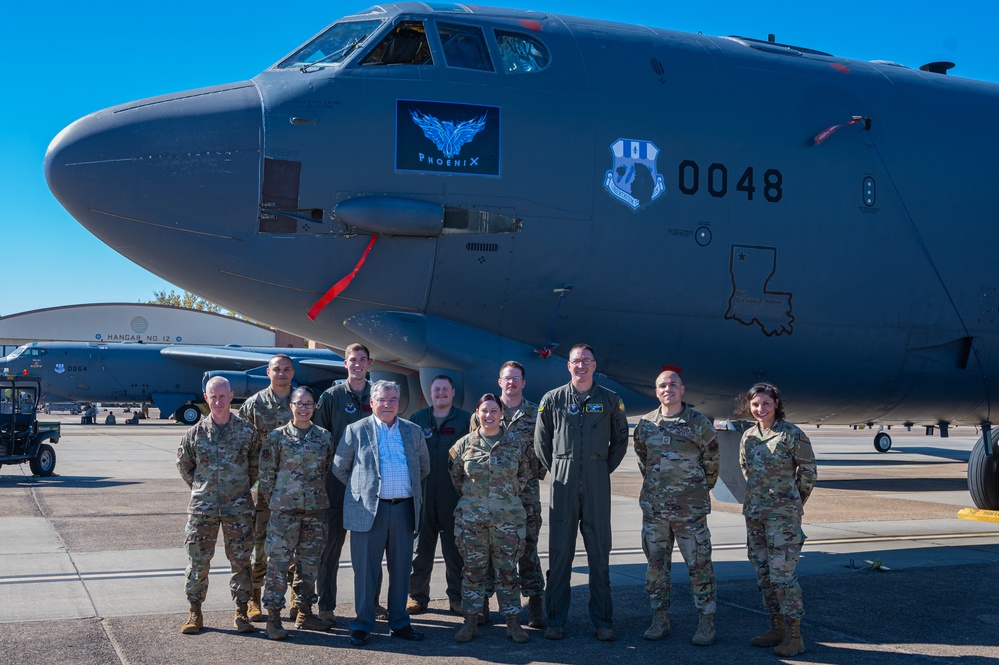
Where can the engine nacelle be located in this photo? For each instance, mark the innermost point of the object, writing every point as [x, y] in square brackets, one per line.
[243, 384]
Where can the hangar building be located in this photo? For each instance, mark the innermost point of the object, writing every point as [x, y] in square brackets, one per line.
[135, 322]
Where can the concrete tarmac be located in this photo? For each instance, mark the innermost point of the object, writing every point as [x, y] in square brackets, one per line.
[92, 561]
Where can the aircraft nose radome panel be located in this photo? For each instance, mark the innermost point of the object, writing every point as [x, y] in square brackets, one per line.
[181, 163]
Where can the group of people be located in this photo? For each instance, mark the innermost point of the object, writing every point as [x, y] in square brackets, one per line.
[289, 476]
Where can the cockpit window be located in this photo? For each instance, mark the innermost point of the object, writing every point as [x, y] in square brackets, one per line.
[464, 47]
[332, 47]
[26, 351]
[521, 53]
[406, 45]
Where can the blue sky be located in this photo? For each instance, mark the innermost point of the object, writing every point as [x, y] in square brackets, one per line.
[61, 60]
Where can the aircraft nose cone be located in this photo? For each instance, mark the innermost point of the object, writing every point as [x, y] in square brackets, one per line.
[163, 169]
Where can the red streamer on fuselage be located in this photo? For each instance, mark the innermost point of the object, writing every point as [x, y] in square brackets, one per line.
[339, 287]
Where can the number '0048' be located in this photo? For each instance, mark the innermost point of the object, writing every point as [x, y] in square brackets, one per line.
[716, 181]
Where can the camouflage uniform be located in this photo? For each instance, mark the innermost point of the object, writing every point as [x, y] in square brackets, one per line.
[679, 459]
[337, 407]
[520, 421]
[489, 524]
[293, 468]
[267, 412]
[780, 471]
[219, 464]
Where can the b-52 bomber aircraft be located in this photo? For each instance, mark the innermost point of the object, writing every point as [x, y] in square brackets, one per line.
[457, 186]
[170, 376]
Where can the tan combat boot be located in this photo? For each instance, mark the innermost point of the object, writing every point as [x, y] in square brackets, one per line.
[705, 634]
[514, 631]
[275, 631]
[240, 621]
[195, 622]
[306, 620]
[293, 609]
[253, 610]
[660, 625]
[468, 630]
[535, 613]
[792, 644]
[774, 637]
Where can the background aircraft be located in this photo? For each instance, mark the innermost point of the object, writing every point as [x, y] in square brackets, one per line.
[458, 186]
[169, 376]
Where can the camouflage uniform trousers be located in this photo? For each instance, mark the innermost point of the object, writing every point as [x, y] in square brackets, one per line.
[693, 539]
[262, 516]
[200, 536]
[298, 537]
[774, 546]
[489, 549]
[532, 578]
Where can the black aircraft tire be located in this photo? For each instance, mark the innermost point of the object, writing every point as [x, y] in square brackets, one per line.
[983, 477]
[882, 442]
[188, 414]
[43, 464]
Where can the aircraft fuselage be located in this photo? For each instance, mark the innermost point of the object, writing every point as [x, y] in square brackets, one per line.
[672, 180]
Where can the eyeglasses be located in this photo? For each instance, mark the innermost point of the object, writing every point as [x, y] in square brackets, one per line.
[304, 405]
[581, 362]
[387, 400]
[511, 379]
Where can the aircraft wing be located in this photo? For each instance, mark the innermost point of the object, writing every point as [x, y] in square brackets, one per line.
[217, 358]
[332, 366]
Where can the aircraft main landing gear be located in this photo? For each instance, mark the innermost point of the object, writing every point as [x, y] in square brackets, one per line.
[187, 414]
[983, 474]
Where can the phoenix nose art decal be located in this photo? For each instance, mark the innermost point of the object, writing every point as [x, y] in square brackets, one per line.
[441, 137]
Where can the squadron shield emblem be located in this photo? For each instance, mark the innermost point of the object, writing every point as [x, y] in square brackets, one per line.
[350, 408]
[632, 178]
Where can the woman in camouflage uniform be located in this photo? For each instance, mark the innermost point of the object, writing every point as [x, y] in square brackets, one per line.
[779, 465]
[294, 461]
[490, 469]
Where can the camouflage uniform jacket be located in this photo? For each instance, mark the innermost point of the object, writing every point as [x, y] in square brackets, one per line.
[679, 459]
[490, 478]
[780, 471]
[521, 423]
[266, 411]
[293, 469]
[339, 406]
[220, 466]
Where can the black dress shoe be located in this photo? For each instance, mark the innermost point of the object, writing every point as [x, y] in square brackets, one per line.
[408, 633]
[358, 638]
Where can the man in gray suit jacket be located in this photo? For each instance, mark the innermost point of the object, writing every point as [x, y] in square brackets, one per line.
[382, 460]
